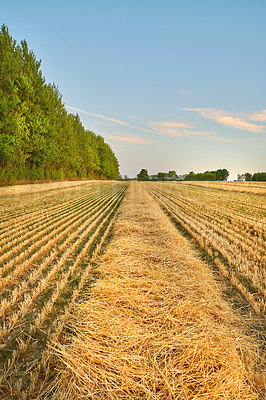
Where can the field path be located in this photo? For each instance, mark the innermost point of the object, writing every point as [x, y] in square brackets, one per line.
[156, 325]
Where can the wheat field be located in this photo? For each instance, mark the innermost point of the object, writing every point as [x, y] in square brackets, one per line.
[228, 221]
[156, 325]
[49, 242]
[102, 297]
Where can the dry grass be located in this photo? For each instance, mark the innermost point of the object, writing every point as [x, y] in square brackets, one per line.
[40, 187]
[47, 250]
[243, 187]
[230, 227]
[156, 326]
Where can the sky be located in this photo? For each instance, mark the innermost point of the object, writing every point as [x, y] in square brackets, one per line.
[170, 85]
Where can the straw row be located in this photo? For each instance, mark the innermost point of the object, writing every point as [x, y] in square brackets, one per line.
[32, 293]
[239, 255]
[249, 251]
[24, 202]
[44, 370]
[243, 187]
[33, 234]
[39, 290]
[28, 221]
[155, 325]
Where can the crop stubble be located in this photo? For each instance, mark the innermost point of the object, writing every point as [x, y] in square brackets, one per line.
[49, 242]
[155, 326]
[149, 278]
[229, 225]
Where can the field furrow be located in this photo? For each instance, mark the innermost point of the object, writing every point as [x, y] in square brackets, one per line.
[13, 228]
[234, 241]
[155, 324]
[52, 234]
[43, 276]
[87, 236]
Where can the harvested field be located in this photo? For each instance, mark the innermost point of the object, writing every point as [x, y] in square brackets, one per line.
[49, 241]
[156, 325]
[252, 187]
[40, 187]
[228, 225]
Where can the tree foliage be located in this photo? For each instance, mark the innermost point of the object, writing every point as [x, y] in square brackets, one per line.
[219, 175]
[258, 176]
[38, 138]
[143, 175]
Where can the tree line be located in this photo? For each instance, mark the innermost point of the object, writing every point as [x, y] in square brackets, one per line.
[258, 176]
[38, 138]
[218, 175]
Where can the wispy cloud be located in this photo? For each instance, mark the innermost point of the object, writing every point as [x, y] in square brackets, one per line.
[169, 128]
[126, 138]
[233, 120]
[215, 138]
[175, 129]
[117, 121]
[169, 125]
[165, 128]
[199, 133]
[178, 129]
[257, 116]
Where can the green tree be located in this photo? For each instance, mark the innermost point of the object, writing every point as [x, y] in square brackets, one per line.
[143, 175]
[38, 138]
[259, 176]
[172, 175]
[222, 174]
[162, 176]
[190, 177]
[248, 176]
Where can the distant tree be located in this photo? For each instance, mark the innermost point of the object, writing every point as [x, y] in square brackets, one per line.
[143, 175]
[222, 174]
[209, 176]
[259, 176]
[162, 176]
[240, 177]
[171, 175]
[248, 176]
[190, 177]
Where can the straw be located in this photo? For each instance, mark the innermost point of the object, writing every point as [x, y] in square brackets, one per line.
[155, 326]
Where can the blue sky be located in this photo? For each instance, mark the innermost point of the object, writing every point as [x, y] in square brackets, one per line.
[170, 85]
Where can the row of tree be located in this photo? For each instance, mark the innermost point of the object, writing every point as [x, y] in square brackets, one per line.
[219, 175]
[258, 176]
[38, 138]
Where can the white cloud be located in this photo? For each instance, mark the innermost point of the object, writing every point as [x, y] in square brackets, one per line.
[169, 128]
[117, 121]
[257, 116]
[177, 129]
[233, 120]
[169, 125]
[126, 138]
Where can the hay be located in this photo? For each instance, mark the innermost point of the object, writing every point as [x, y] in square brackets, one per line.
[155, 326]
